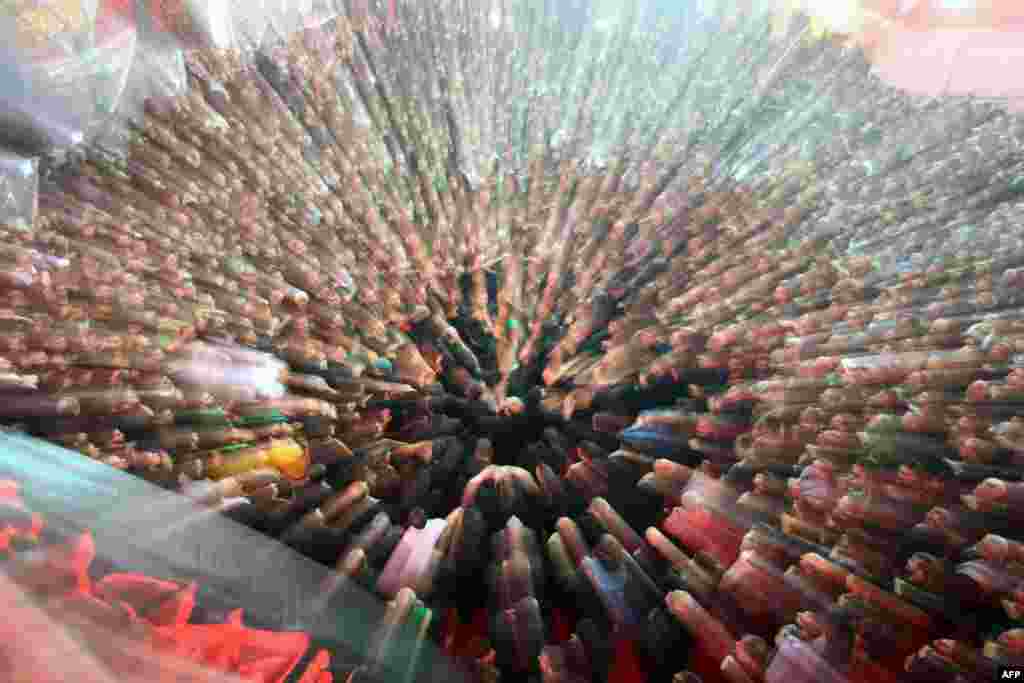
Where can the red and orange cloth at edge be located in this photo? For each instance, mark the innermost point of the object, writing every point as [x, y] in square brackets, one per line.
[158, 609]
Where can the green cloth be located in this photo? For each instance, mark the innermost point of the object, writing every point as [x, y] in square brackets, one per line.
[213, 417]
[270, 417]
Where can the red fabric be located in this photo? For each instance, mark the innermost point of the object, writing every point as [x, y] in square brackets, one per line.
[562, 624]
[314, 673]
[626, 668]
[464, 639]
[161, 611]
[110, 615]
[481, 622]
[162, 603]
[704, 665]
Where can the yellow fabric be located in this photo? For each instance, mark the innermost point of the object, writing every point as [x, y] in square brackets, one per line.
[289, 457]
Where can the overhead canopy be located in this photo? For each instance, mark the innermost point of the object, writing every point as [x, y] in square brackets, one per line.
[932, 47]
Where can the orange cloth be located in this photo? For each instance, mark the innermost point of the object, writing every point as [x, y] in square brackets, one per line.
[160, 610]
